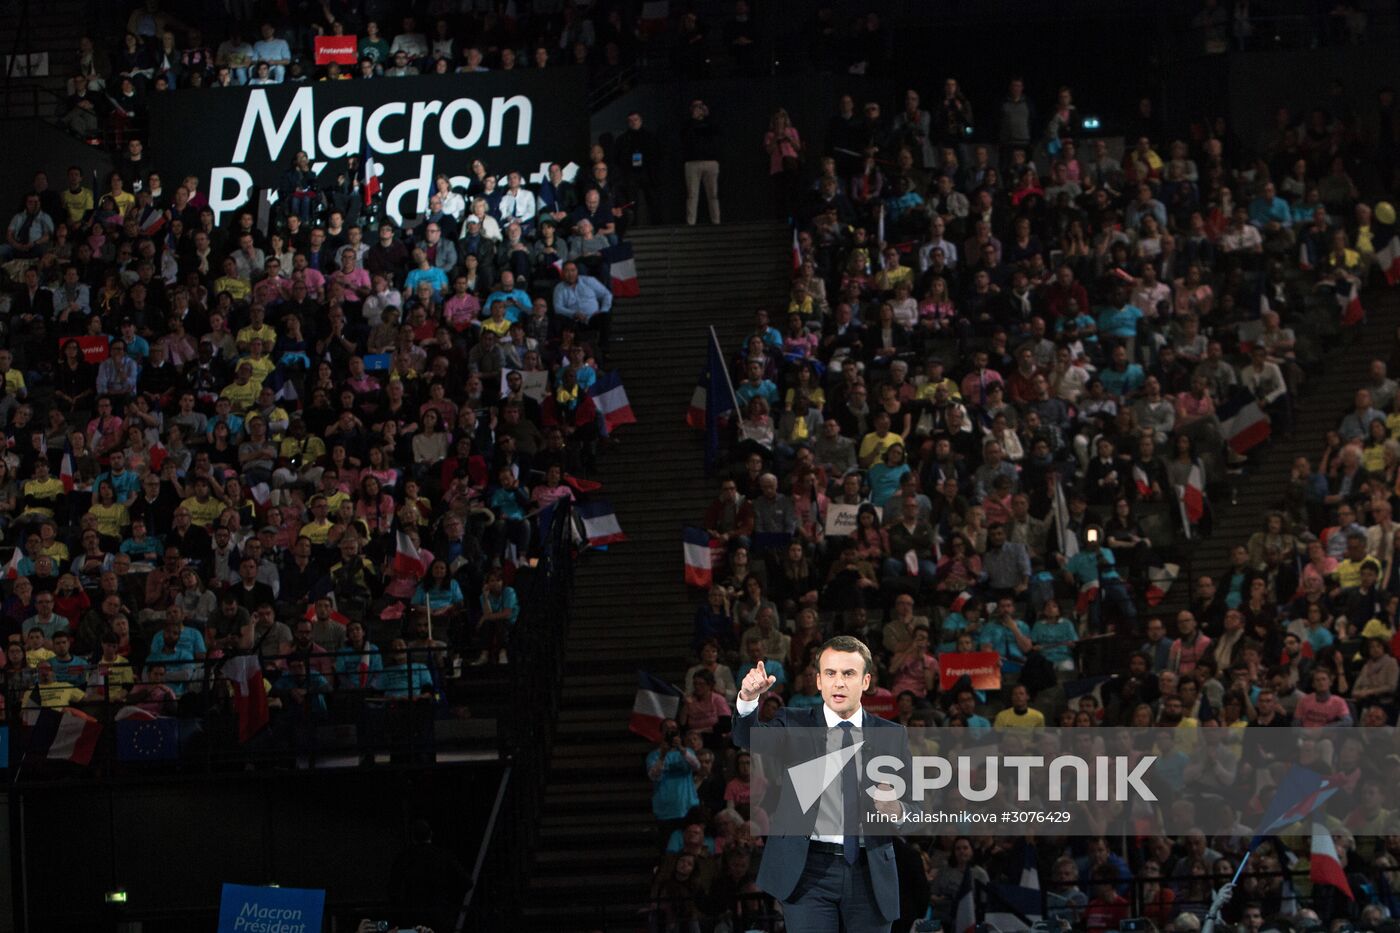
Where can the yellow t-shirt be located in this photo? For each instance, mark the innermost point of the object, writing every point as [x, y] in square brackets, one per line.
[316, 533]
[14, 381]
[49, 489]
[242, 397]
[262, 367]
[57, 550]
[111, 519]
[58, 694]
[76, 205]
[236, 287]
[1349, 571]
[1010, 719]
[816, 394]
[872, 443]
[124, 201]
[265, 333]
[204, 513]
[309, 449]
[929, 390]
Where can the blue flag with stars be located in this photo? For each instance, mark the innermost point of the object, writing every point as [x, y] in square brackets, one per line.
[148, 739]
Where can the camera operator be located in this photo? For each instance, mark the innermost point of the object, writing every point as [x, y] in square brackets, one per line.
[670, 767]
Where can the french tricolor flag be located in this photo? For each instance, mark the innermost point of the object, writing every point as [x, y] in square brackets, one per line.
[699, 565]
[695, 415]
[599, 522]
[1140, 480]
[65, 472]
[1243, 423]
[622, 270]
[656, 702]
[1193, 495]
[245, 676]
[961, 600]
[408, 560]
[370, 183]
[1324, 867]
[1300, 792]
[610, 398]
[1159, 582]
[1349, 301]
[1088, 592]
[66, 734]
[1389, 261]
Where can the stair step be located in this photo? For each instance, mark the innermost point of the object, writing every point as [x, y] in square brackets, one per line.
[597, 844]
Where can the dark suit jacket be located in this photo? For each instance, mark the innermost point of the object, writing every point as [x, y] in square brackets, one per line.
[40, 305]
[785, 857]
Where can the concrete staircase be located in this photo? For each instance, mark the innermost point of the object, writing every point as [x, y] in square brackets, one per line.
[52, 27]
[1327, 396]
[597, 837]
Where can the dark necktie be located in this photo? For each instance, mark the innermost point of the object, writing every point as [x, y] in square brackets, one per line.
[850, 804]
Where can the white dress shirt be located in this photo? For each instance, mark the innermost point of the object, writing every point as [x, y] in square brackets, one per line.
[829, 808]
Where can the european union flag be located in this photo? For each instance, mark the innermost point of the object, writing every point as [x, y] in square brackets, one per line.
[4, 746]
[148, 739]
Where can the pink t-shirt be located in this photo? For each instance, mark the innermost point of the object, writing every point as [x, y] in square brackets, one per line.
[702, 715]
[911, 676]
[1311, 712]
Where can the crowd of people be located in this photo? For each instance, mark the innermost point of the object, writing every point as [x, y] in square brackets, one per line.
[330, 441]
[990, 416]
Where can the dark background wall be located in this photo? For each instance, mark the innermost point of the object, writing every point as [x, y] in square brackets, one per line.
[172, 843]
[32, 145]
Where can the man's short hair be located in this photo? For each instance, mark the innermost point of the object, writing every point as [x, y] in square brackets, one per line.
[849, 643]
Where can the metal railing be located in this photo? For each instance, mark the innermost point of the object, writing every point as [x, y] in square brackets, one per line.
[1289, 32]
[330, 716]
[527, 735]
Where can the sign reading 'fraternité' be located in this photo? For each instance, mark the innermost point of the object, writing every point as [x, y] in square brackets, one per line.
[238, 140]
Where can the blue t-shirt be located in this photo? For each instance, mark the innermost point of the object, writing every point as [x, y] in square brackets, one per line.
[432, 275]
[1085, 566]
[512, 311]
[436, 598]
[190, 640]
[347, 666]
[179, 665]
[72, 671]
[1320, 638]
[125, 484]
[1001, 640]
[404, 680]
[1120, 384]
[1049, 635]
[772, 666]
[765, 390]
[507, 600]
[884, 483]
[954, 623]
[673, 794]
[1119, 322]
[141, 550]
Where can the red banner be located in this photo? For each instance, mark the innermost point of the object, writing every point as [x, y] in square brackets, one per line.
[344, 50]
[94, 348]
[983, 668]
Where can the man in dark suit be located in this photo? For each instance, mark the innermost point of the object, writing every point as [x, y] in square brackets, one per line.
[838, 874]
